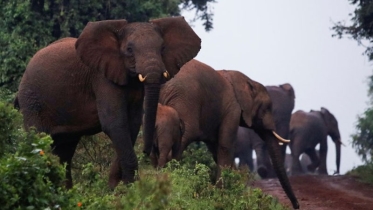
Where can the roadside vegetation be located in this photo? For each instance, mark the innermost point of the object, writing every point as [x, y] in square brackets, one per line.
[32, 178]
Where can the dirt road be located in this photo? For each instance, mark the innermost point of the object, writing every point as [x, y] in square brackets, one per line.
[323, 192]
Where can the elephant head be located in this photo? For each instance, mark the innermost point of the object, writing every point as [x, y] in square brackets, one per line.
[169, 129]
[154, 52]
[333, 131]
[256, 113]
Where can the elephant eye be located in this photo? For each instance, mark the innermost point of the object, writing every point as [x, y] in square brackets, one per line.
[163, 49]
[129, 50]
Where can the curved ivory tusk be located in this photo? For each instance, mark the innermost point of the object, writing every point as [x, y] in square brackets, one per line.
[341, 143]
[166, 74]
[280, 143]
[280, 138]
[142, 79]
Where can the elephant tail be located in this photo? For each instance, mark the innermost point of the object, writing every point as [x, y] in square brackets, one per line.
[16, 103]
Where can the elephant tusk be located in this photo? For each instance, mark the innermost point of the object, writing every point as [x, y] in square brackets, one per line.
[142, 79]
[166, 74]
[280, 138]
[341, 143]
[280, 143]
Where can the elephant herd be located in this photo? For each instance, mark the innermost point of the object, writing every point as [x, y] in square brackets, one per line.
[304, 129]
[117, 76]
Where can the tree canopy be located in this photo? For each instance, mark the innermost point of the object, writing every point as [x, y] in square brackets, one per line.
[27, 26]
[361, 30]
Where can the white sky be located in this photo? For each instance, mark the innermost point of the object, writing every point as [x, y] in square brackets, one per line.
[274, 42]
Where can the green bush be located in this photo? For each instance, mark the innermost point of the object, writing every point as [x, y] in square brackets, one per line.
[32, 178]
[10, 126]
[363, 172]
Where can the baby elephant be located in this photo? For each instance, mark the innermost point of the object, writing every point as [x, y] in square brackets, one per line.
[167, 137]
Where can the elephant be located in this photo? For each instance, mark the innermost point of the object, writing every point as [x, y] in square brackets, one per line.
[304, 162]
[307, 129]
[101, 81]
[283, 101]
[247, 141]
[167, 136]
[212, 104]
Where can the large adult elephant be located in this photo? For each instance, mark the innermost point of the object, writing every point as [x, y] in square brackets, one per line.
[307, 129]
[76, 87]
[212, 104]
[283, 101]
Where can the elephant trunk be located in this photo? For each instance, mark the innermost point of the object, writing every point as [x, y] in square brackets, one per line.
[150, 112]
[278, 165]
[338, 154]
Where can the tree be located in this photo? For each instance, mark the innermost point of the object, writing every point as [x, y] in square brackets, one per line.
[27, 26]
[361, 30]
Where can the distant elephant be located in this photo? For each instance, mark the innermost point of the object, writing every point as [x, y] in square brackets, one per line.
[76, 87]
[307, 129]
[304, 162]
[247, 141]
[167, 136]
[283, 101]
[212, 104]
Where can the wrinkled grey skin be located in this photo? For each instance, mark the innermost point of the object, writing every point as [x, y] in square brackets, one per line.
[167, 136]
[307, 129]
[75, 87]
[283, 101]
[212, 104]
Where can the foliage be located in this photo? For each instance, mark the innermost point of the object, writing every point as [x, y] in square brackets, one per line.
[361, 29]
[10, 126]
[175, 187]
[362, 25]
[30, 177]
[362, 140]
[27, 26]
[363, 172]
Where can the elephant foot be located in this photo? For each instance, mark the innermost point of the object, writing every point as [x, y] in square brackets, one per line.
[263, 172]
[311, 168]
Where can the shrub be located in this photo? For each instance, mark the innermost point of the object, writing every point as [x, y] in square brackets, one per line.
[363, 172]
[32, 177]
[10, 126]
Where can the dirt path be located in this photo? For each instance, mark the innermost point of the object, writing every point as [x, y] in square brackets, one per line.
[323, 192]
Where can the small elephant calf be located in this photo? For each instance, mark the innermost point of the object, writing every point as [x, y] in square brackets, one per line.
[169, 129]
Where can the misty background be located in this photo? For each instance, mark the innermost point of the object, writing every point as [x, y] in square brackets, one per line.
[275, 42]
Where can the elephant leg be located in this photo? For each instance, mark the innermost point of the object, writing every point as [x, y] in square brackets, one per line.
[135, 119]
[323, 153]
[246, 159]
[112, 107]
[315, 161]
[296, 167]
[64, 148]
[262, 160]
[135, 111]
[226, 143]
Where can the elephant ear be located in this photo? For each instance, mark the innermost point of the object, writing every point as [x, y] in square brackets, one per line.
[180, 42]
[289, 89]
[244, 90]
[98, 47]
